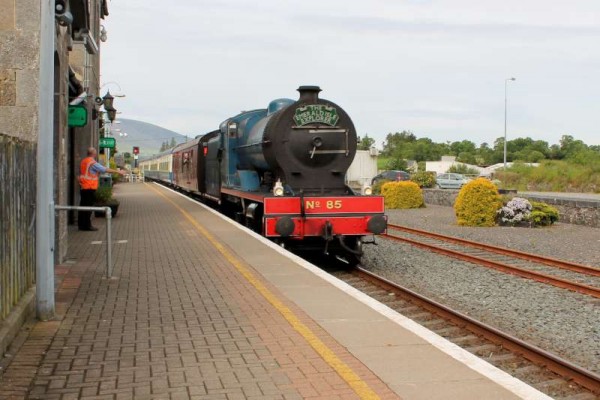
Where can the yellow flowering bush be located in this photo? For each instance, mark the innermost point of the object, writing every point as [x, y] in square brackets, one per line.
[404, 194]
[477, 203]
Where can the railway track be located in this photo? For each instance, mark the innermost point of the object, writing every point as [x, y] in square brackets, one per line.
[545, 371]
[563, 274]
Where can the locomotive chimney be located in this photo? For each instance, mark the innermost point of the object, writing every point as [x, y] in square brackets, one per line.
[309, 94]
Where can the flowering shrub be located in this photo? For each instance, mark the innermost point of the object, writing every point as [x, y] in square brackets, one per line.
[402, 195]
[477, 203]
[515, 211]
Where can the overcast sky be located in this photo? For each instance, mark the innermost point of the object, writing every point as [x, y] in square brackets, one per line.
[436, 68]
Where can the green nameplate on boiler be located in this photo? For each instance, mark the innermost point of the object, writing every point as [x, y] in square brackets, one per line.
[316, 114]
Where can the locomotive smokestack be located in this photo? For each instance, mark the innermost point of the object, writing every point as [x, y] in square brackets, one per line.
[309, 94]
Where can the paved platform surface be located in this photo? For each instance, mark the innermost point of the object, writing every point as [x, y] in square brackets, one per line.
[200, 309]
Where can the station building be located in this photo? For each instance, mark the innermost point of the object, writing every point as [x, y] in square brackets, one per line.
[77, 41]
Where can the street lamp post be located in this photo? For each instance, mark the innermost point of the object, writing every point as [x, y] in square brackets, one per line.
[505, 112]
[111, 112]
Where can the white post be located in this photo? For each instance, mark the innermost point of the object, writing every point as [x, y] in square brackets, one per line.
[505, 117]
[45, 169]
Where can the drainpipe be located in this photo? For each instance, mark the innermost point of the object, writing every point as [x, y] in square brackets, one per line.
[44, 233]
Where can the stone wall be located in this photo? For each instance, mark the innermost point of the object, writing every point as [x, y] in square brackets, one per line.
[440, 197]
[19, 77]
[19, 68]
[572, 211]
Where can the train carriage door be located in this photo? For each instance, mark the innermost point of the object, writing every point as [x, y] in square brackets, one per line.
[213, 165]
[185, 167]
[202, 167]
[190, 167]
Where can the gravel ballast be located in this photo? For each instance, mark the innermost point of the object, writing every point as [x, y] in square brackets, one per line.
[560, 321]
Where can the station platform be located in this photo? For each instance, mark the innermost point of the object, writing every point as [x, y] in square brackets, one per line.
[201, 308]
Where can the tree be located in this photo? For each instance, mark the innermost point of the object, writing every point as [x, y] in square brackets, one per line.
[394, 141]
[466, 146]
[463, 169]
[173, 143]
[366, 142]
[535, 156]
[569, 146]
[485, 155]
[397, 164]
[466, 157]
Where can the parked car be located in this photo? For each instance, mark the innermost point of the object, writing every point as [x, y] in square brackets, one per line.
[450, 181]
[391, 176]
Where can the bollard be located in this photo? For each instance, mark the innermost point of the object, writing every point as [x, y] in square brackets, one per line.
[109, 242]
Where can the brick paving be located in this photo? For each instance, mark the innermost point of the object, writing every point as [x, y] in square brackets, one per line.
[178, 322]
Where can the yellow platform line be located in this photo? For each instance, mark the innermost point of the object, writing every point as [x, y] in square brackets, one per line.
[361, 388]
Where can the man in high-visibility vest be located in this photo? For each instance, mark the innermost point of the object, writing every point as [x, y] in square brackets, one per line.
[90, 171]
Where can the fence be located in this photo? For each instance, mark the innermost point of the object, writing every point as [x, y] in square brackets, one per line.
[17, 220]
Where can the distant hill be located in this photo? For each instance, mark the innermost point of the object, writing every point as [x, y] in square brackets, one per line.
[148, 137]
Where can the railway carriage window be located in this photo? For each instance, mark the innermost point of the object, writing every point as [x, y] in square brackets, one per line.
[184, 161]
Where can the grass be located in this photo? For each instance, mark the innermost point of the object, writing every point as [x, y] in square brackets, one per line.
[382, 162]
[552, 176]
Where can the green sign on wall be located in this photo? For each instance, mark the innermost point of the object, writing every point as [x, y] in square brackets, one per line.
[78, 116]
[107, 143]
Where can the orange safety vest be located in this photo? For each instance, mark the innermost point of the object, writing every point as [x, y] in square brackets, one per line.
[88, 179]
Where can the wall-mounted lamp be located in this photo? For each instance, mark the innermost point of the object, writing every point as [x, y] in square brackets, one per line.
[62, 15]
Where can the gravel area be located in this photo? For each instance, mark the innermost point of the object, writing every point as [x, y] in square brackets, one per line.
[564, 241]
[557, 320]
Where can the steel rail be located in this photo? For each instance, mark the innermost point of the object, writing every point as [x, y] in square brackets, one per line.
[507, 268]
[566, 265]
[552, 362]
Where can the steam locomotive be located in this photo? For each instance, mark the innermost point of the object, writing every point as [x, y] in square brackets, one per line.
[281, 172]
